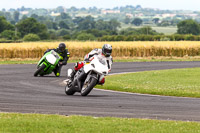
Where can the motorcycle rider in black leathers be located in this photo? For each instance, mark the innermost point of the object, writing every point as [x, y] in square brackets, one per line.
[64, 54]
[105, 51]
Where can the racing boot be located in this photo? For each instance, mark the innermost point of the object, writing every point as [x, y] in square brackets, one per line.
[71, 77]
[57, 74]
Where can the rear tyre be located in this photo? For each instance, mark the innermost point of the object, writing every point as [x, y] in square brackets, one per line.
[39, 70]
[69, 90]
[87, 87]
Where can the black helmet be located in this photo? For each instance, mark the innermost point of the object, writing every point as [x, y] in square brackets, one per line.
[62, 47]
[107, 50]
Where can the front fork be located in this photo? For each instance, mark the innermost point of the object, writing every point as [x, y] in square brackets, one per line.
[80, 78]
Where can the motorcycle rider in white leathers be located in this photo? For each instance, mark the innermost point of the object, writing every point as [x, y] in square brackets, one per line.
[105, 52]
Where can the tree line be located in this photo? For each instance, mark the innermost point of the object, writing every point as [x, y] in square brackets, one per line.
[37, 28]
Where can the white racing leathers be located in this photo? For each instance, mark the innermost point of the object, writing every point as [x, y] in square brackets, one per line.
[98, 52]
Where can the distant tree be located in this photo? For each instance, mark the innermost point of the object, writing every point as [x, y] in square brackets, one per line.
[137, 21]
[63, 25]
[174, 22]
[65, 16]
[164, 23]
[8, 34]
[138, 7]
[23, 8]
[87, 23]
[30, 25]
[66, 37]
[97, 33]
[3, 10]
[5, 25]
[127, 20]
[31, 37]
[85, 36]
[62, 32]
[188, 27]
[24, 17]
[102, 25]
[51, 25]
[114, 24]
[16, 16]
[128, 31]
[147, 30]
[77, 20]
[73, 9]
[60, 9]
[156, 20]
[8, 16]
[35, 16]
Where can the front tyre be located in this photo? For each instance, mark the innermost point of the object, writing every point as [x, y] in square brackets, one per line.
[88, 86]
[69, 90]
[40, 69]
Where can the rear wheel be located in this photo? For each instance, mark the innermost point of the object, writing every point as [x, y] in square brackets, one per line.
[88, 86]
[39, 70]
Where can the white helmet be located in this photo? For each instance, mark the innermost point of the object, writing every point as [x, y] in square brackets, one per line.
[107, 50]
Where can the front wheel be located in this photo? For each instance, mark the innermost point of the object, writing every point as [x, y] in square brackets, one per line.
[88, 86]
[69, 90]
[41, 68]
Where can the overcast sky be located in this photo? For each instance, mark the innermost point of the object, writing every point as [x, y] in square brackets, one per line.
[161, 4]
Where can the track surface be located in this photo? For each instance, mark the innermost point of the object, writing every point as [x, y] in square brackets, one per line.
[21, 92]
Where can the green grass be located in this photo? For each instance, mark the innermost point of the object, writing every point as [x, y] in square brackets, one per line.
[38, 123]
[134, 59]
[176, 82]
[27, 61]
[152, 59]
[166, 30]
[18, 62]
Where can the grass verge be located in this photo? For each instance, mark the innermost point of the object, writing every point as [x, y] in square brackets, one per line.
[28, 61]
[176, 82]
[32, 123]
[116, 59]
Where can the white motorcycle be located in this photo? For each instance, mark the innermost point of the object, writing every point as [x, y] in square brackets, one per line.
[87, 77]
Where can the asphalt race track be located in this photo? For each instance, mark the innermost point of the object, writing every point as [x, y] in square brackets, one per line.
[21, 92]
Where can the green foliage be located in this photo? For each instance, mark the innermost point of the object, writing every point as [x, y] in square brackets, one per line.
[85, 36]
[127, 20]
[87, 23]
[16, 16]
[146, 30]
[63, 25]
[5, 25]
[137, 21]
[44, 35]
[188, 27]
[164, 23]
[142, 37]
[62, 32]
[156, 20]
[10, 35]
[66, 37]
[97, 33]
[114, 24]
[30, 25]
[31, 38]
[3, 40]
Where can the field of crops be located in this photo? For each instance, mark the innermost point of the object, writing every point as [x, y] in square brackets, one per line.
[120, 49]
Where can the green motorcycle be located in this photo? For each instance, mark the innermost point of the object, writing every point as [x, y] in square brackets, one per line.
[47, 63]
